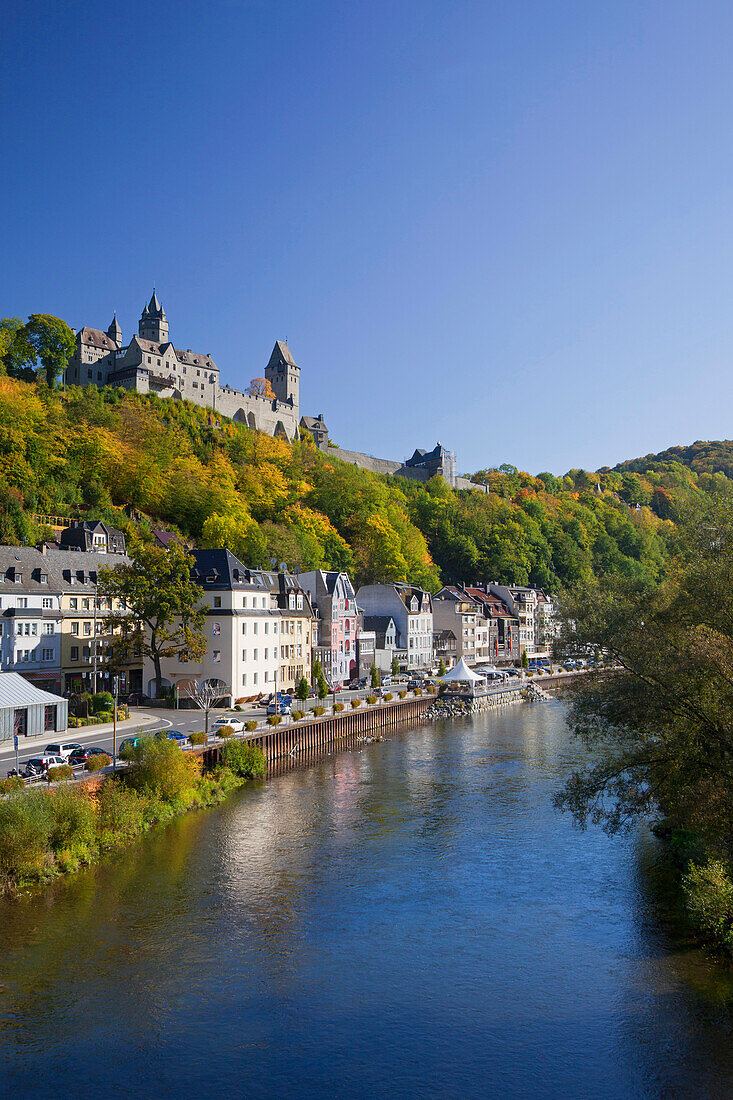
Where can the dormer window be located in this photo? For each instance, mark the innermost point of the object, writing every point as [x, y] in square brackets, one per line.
[18, 578]
[44, 578]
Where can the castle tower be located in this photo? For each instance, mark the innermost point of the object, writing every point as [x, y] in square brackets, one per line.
[153, 324]
[283, 374]
[115, 332]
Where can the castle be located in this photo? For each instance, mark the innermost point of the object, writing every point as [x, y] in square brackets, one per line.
[150, 363]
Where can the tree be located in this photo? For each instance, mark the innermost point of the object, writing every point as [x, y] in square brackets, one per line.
[260, 387]
[524, 662]
[158, 603]
[375, 677]
[660, 727]
[206, 694]
[17, 355]
[441, 667]
[395, 666]
[303, 689]
[53, 342]
[322, 688]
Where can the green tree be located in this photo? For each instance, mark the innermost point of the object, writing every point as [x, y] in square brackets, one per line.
[524, 662]
[17, 355]
[395, 666]
[375, 677]
[441, 667]
[156, 604]
[303, 689]
[53, 342]
[321, 687]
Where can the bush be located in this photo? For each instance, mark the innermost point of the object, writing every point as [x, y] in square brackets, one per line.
[73, 723]
[356, 703]
[121, 812]
[225, 732]
[297, 715]
[709, 895]
[250, 726]
[197, 738]
[101, 701]
[26, 824]
[403, 695]
[244, 759]
[13, 783]
[338, 706]
[159, 767]
[105, 716]
[431, 689]
[274, 719]
[371, 699]
[96, 763]
[58, 774]
[75, 815]
[417, 691]
[318, 711]
[388, 697]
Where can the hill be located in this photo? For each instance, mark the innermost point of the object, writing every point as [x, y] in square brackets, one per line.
[137, 461]
[704, 457]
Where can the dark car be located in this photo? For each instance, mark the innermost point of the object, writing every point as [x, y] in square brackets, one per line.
[81, 755]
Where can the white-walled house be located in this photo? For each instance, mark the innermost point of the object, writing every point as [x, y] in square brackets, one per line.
[258, 629]
[412, 610]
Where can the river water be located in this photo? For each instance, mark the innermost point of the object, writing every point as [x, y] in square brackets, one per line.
[410, 919]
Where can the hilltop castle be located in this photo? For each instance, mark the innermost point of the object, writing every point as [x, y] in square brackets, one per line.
[150, 363]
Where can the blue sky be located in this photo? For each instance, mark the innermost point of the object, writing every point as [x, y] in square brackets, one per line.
[504, 226]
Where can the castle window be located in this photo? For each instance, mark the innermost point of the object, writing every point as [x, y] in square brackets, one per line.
[150, 359]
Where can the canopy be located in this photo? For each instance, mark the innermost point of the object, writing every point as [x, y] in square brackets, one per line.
[462, 673]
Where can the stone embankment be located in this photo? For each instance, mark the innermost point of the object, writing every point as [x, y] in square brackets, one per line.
[448, 706]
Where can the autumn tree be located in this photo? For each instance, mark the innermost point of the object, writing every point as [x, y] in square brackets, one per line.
[156, 604]
[260, 387]
[53, 342]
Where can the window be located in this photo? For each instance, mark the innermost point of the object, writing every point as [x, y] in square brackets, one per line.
[216, 602]
[75, 628]
[216, 656]
[266, 654]
[47, 655]
[300, 601]
[244, 601]
[254, 658]
[85, 605]
[87, 629]
[244, 654]
[22, 601]
[73, 603]
[47, 602]
[215, 630]
[244, 680]
[44, 578]
[254, 679]
[86, 652]
[254, 628]
[75, 653]
[49, 628]
[244, 628]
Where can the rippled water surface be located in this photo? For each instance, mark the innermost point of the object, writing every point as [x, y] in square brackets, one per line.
[410, 919]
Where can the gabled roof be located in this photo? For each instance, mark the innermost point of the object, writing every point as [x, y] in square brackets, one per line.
[281, 354]
[96, 338]
[15, 691]
[379, 623]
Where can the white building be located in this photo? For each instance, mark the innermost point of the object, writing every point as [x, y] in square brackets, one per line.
[412, 610]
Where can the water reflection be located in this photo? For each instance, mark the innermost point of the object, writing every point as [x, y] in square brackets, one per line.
[408, 919]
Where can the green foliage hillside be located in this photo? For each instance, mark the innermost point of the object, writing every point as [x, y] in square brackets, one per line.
[139, 461]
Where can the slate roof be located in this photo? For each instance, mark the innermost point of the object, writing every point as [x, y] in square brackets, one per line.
[96, 338]
[67, 570]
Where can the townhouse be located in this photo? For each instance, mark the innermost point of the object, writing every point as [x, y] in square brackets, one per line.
[332, 596]
[54, 626]
[258, 629]
[412, 610]
[455, 611]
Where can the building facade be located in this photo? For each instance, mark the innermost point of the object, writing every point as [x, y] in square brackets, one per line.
[412, 610]
[54, 626]
[333, 596]
[150, 363]
[258, 630]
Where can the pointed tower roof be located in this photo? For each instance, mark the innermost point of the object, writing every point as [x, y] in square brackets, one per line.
[114, 331]
[154, 307]
[281, 353]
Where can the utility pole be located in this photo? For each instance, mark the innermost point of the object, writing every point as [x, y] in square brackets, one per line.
[116, 683]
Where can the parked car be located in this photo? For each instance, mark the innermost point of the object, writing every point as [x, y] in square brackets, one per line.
[386, 680]
[82, 754]
[126, 746]
[178, 736]
[39, 765]
[236, 723]
[334, 687]
[279, 708]
[64, 749]
[413, 683]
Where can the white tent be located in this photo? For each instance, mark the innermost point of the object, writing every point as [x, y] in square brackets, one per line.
[461, 673]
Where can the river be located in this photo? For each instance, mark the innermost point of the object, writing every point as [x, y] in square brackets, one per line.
[409, 919]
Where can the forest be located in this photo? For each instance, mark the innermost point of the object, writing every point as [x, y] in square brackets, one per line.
[140, 462]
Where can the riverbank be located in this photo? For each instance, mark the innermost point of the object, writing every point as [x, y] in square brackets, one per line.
[48, 832]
